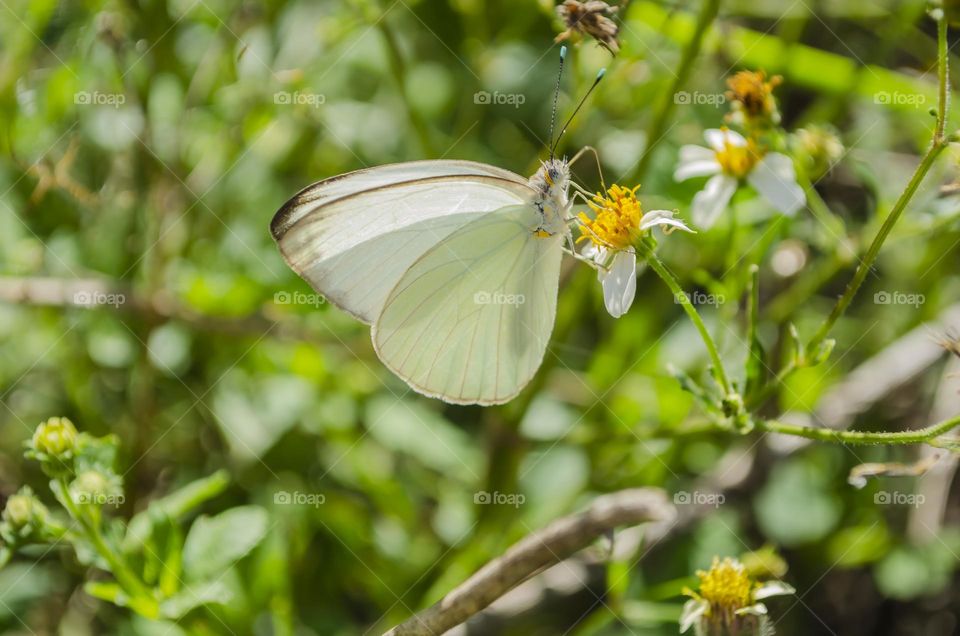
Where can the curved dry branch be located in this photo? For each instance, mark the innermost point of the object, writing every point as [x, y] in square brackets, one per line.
[546, 547]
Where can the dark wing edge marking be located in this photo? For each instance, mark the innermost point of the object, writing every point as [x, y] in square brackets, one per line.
[281, 223]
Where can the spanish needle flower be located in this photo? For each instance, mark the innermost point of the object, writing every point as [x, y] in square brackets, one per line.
[751, 99]
[619, 221]
[728, 602]
[730, 160]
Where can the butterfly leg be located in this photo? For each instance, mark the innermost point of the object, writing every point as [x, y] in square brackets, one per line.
[596, 156]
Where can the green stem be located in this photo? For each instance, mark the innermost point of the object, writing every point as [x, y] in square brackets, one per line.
[770, 387]
[708, 13]
[681, 297]
[918, 436]
[936, 147]
[130, 583]
[837, 232]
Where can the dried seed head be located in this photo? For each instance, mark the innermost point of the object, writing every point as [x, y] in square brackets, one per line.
[590, 18]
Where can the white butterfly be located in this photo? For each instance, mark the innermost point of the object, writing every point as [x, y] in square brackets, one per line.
[455, 264]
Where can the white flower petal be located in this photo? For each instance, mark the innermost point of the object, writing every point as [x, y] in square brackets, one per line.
[693, 610]
[773, 588]
[716, 138]
[620, 283]
[775, 179]
[712, 200]
[696, 161]
[757, 609]
[663, 217]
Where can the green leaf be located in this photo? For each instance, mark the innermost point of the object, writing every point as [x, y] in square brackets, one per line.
[96, 453]
[794, 507]
[106, 591]
[173, 507]
[215, 543]
[195, 596]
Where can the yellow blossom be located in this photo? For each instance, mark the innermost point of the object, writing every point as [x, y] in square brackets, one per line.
[738, 160]
[726, 585]
[617, 221]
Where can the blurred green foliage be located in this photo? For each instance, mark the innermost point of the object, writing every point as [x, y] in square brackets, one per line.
[148, 144]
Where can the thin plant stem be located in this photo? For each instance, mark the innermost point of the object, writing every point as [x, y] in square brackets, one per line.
[937, 145]
[681, 297]
[118, 566]
[917, 436]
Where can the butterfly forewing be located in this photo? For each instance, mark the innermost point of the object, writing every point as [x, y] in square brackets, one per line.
[353, 237]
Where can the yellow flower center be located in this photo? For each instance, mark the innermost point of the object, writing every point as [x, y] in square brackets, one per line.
[617, 218]
[738, 161]
[726, 586]
[753, 92]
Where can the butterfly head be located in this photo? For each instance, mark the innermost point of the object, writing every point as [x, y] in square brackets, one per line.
[552, 180]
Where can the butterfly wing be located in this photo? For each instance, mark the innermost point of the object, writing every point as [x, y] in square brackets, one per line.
[352, 236]
[469, 322]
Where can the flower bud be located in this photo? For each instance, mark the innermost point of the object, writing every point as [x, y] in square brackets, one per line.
[95, 487]
[819, 148]
[57, 437]
[23, 517]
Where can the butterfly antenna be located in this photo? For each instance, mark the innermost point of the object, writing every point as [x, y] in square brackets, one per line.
[556, 96]
[576, 110]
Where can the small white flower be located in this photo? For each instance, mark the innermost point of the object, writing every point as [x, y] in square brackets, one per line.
[729, 160]
[618, 222]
